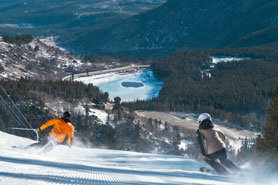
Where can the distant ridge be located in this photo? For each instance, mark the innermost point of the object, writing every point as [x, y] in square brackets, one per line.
[181, 24]
[261, 37]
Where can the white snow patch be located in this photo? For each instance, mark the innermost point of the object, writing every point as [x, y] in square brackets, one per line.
[235, 144]
[102, 115]
[23, 25]
[4, 75]
[49, 41]
[217, 59]
[184, 144]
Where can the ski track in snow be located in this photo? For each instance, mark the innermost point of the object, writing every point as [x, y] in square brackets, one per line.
[76, 165]
[33, 171]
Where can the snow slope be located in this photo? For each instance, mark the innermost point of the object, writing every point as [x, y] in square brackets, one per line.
[77, 165]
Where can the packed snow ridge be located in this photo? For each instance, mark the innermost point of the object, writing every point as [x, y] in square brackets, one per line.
[80, 165]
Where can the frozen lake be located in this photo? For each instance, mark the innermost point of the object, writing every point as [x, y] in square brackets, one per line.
[141, 85]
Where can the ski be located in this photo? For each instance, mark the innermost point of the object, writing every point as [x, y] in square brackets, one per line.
[207, 170]
[19, 147]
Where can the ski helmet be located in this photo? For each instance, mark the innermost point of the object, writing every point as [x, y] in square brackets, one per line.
[67, 115]
[203, 117]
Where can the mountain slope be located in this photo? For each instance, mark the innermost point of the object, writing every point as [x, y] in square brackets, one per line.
[77, 165]
[38, 59]
[180, 24]
[261, 37]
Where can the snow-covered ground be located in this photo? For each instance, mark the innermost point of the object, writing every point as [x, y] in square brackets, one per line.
[22, 25]
[22, 61]
[217, 59]
[100, 114]
[184, 144]
[80, 165]
[112, 83]
[59, 106]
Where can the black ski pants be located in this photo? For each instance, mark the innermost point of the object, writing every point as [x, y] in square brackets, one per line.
[224, 164]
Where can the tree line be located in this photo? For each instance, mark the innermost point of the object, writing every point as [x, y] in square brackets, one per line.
[18, 39]
[263, 154]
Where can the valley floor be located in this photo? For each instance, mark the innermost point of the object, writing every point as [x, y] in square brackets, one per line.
[189, 123]
[125, 69]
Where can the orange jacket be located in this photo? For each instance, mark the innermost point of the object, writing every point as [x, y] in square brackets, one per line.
[60, 130]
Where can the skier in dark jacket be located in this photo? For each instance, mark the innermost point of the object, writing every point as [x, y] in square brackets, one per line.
[211, 141]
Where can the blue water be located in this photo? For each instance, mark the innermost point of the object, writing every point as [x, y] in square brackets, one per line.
[132, 84]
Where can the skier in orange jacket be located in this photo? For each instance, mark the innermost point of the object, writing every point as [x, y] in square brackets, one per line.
[60, 130]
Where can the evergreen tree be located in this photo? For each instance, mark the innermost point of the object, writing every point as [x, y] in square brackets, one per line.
[117, 105]
[270, 130]
[267, 146]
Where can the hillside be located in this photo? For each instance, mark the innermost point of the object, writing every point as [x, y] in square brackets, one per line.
[79, 165]
[261, 37]
[23, 56]
[181, 24]
[37, 59]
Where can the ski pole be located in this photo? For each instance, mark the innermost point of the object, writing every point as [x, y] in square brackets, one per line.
[240, 158]
[28, 129]
[244, 161]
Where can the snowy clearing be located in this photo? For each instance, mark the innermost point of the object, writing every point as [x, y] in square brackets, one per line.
[77, 165]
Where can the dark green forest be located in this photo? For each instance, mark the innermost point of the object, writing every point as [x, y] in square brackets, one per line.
[18, 39]
[237, 91]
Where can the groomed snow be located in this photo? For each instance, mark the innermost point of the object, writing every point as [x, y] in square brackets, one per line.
[80, 165]
[112, 83]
